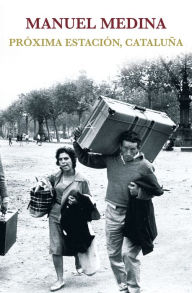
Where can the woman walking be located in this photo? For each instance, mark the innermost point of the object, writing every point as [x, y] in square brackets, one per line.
[64, 182]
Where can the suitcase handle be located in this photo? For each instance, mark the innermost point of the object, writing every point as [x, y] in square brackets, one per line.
[140, 108]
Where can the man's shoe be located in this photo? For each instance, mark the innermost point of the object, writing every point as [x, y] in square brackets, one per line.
[79, 272]
[123, 288]
[57, 286]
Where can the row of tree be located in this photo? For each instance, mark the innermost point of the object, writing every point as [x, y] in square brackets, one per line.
[156, 84]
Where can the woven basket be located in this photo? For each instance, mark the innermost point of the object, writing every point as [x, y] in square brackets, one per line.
[40, 202]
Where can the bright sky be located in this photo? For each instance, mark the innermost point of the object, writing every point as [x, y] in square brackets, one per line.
[27, 68]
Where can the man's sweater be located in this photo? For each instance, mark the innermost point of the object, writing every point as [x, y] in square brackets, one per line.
[119, 173]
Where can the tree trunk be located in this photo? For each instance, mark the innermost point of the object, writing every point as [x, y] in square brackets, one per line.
[19, 125]
[26, 124]
[149, 99]
[64, 130]
[1, 130]
[80, 114]
[41, 129]
[56, 131]
[184, 100]
[35, 129]
[67, 125]
[47, 126]
[14, 130]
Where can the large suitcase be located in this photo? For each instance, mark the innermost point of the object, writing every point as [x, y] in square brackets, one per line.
[111, 117]
[8, 231]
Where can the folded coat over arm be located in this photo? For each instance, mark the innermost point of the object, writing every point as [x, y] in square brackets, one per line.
[140, 226]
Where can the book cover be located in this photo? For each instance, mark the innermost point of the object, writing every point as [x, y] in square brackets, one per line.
[139, 52]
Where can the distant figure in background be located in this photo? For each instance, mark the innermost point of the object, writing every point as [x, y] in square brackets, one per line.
[10, 139]
[170, 144]
[27, 138]
[18, 138]
[21, 139]
[3, 191]
[39, 141]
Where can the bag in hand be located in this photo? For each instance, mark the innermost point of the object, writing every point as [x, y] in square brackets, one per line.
[40, 202]
[89, 260]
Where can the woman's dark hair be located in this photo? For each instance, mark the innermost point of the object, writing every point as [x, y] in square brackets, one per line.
[70, 153]
[130, 136]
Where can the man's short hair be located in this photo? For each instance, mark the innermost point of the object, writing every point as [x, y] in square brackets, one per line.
[130, 136]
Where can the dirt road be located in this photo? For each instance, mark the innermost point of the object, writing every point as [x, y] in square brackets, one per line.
[27, 267]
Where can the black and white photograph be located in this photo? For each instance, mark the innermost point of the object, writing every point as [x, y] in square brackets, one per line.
[95, 146]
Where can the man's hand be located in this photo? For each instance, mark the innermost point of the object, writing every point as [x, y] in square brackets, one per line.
[134, 189]
[4, 206]
[77, 133]
[72, 200]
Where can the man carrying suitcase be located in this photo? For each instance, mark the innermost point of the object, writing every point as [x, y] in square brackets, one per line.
[123, 168]
[3, 191]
